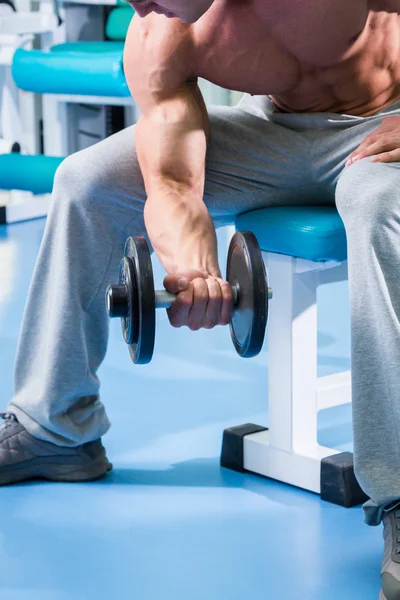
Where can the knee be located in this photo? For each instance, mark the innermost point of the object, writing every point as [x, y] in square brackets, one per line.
[77, 181]
[369, 193]
[68, 175]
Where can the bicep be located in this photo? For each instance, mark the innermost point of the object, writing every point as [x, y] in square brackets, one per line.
[157, 58]
[172, 131]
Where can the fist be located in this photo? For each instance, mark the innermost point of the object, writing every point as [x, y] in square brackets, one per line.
[203, 301]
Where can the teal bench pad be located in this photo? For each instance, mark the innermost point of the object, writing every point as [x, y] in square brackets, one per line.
[118, 22]
[309, 232]
[80, 68]
[28, 173]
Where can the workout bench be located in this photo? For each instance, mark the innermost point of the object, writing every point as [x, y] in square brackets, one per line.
[78, 79]
[303, 247]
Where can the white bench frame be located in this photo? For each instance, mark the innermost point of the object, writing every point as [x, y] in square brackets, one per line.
[289, 451]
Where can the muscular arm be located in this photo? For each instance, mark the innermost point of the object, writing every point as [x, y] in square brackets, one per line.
[171, 142]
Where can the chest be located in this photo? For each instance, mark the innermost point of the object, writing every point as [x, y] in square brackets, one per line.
[265, 45]
[316, 32]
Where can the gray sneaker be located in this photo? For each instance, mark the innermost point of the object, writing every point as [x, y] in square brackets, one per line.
[391, 559]
[24, 457]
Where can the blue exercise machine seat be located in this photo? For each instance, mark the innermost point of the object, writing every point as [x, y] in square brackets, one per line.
[80, 68]
[314, 233]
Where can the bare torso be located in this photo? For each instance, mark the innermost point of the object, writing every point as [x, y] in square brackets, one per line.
[309, 55]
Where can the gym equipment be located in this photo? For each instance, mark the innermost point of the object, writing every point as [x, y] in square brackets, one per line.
[26, 179]
[24, 23]
[134, 299]
[30, 173]
[305, 247]
[6, 8]
[83, 90]
[80, 68]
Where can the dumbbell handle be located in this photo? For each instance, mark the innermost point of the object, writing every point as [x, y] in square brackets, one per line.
[165, 299]
[117, 299]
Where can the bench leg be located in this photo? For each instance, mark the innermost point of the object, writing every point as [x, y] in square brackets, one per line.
[288, 450]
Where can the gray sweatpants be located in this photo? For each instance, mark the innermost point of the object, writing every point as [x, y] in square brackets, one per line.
[257, 157]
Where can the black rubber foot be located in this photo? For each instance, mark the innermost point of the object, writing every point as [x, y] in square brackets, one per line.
[338, 482]
[232, 445]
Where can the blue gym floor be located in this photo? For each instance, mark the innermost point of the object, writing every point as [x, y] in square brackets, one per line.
[169, 523]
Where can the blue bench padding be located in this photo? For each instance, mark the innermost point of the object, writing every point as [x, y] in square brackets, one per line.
[312, 233]
[28, 173]
[118, 22]
[94, 69]
[91, 47]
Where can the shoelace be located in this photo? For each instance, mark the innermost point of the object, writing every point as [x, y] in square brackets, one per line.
[8, 418]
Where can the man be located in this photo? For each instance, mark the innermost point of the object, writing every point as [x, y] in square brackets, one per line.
[323, 127]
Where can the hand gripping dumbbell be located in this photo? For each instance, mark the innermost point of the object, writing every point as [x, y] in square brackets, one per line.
[134, 299]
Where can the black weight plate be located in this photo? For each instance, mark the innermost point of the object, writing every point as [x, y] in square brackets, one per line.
[128, 279]
[246, 270]
[142, 301]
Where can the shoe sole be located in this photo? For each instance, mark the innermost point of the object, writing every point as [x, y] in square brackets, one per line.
[56, 472]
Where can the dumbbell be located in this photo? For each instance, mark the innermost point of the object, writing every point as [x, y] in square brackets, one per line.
[135, 301]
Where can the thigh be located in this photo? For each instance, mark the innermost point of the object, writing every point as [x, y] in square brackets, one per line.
[368, 195]
[340, 137]
[253, 162]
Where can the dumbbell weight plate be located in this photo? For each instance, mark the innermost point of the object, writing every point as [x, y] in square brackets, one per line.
[246, 271]
[136, 273]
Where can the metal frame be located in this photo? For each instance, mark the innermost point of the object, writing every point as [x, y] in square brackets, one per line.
[289, 451]
[61, 123]
[17, 206]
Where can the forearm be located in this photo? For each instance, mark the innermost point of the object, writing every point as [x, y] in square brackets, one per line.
[171, 147]
[160, 59]
[171, 143]
[182, 232]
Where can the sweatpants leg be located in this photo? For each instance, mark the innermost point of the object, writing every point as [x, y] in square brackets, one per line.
[367, 196]
[368, 199]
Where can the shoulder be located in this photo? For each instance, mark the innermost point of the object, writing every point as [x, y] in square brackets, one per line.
[161, 38]
[158, 58]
